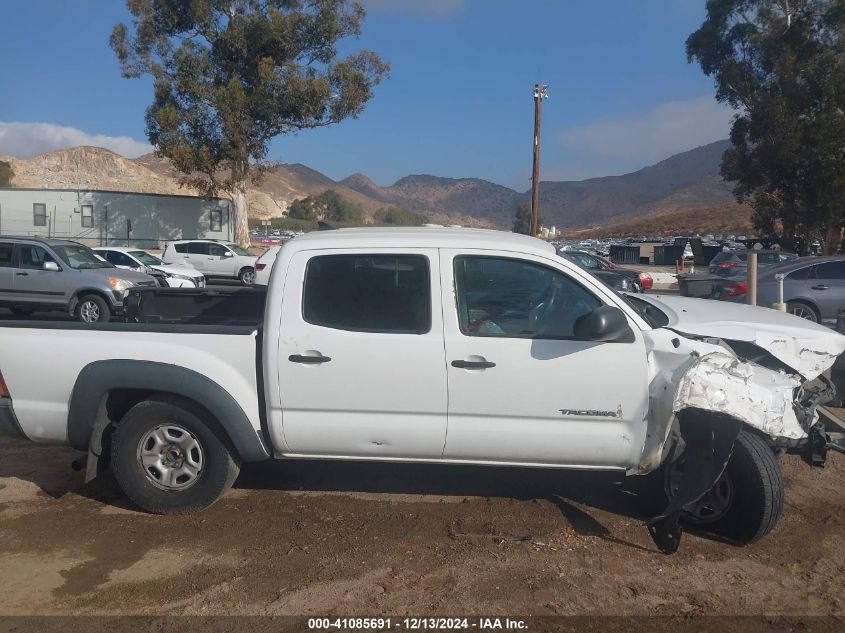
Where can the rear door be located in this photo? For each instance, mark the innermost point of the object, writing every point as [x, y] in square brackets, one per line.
[33, 284]
[362, 366]
[522, 388]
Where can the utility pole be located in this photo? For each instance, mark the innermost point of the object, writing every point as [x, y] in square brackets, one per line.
[540, 93]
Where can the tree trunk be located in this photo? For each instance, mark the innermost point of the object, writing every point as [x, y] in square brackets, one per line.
[240, 220]
[833, 239]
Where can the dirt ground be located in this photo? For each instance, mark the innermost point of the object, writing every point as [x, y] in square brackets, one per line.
[337, 538]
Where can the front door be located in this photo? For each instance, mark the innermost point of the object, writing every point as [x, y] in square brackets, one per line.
[33, 284]
[828, 288]
[220, 262]
[522, 387]
[362, 368]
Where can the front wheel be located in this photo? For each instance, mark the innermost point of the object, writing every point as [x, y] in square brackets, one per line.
[168, 460]
[247, 276]
[92, 309]
[747, 501]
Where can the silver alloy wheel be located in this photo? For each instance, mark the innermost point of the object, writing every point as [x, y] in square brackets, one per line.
[171, 457]
[712, 506]
[248, 277]
[805, 312]
[90, 312]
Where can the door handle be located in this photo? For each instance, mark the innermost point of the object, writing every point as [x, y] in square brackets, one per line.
[308, 360]
[22, 274]
[820, 287]
[473, 364]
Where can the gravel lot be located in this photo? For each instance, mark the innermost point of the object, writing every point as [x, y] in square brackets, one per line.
[338, 538]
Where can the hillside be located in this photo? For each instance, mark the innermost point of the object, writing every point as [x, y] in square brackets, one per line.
[681, 191]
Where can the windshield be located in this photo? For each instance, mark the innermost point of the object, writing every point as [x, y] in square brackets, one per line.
[145, 258]
[237, 250]
[80, 257]
[653, 315]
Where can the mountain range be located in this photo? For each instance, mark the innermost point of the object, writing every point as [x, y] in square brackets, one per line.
[683, 188]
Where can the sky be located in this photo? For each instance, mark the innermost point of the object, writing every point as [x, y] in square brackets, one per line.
[458, 103]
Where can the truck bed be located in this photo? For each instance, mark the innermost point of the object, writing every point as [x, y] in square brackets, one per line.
[240, 307]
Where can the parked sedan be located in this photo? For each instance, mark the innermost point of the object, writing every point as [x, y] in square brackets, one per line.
[813, 287]
[735, 263]
[637, 281]
[136, 259]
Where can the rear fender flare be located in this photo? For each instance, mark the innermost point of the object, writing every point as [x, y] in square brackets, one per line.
[96, 380]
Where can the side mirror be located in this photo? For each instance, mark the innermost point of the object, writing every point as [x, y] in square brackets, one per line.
[51, 266]
[228, 254]
[606, 324]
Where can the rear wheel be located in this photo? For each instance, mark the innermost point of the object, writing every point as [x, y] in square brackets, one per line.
[92, 309]
[747, 501]
[247, 276]
[168, 460]
[803, 310]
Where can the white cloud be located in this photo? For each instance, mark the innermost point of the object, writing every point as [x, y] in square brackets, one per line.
[650, 137]
[427, 8]
[24, 140]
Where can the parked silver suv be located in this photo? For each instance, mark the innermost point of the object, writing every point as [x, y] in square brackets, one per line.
[52, 274]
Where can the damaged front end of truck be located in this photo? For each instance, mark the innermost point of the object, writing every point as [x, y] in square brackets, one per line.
[766, 374]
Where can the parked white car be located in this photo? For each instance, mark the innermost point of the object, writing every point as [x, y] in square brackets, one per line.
[184, 276]
[264, 266]
[222, 260]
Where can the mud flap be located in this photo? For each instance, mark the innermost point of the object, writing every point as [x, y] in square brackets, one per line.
[709, 441]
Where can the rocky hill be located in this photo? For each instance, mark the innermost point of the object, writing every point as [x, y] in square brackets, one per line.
[686, 185]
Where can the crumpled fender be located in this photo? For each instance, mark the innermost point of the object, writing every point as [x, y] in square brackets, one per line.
[759, 397]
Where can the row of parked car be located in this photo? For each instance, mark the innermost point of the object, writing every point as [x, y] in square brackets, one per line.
[813, 287]
[39, 274]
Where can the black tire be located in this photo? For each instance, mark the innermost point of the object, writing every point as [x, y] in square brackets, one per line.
[247, 276]
[21, 311]
[219, 467]
[752, 481]
[92, 309]
[804, 310]
[758, 491]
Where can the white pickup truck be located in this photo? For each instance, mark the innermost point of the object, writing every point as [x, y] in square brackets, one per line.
[436, 345]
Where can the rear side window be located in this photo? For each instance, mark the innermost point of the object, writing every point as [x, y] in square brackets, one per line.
[368, 293]
[831, 270]
[6, 251]
[181, 248]
[198, 248]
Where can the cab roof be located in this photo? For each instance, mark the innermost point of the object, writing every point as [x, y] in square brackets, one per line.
[422, 237]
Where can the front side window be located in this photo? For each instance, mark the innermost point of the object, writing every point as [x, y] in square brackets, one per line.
[33, 257]
[216, 250]
[368, 293]
[87, 216]
[514, 298]
[39, 214]
[119, 259]
[584, 261]
[216, 223]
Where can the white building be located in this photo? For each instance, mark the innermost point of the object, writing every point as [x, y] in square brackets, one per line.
[112, 218]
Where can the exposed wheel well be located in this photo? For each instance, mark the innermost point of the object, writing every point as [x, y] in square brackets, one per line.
[74, 301]
[809, 304]
[118, 402]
